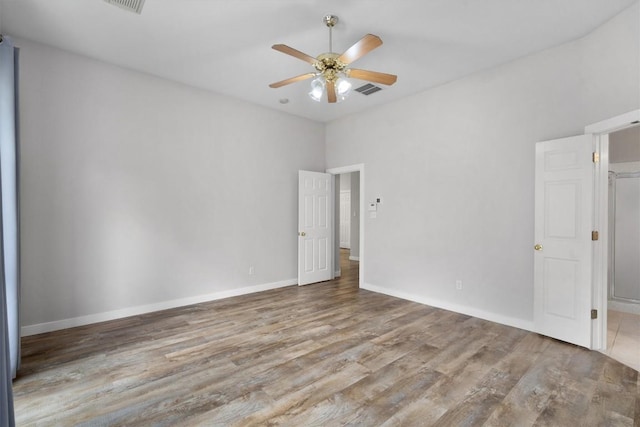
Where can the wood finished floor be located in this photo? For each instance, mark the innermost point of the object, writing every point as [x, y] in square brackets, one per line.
[326, 354]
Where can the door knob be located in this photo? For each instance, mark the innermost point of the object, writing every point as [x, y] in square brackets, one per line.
[538, 247]
[302, 233]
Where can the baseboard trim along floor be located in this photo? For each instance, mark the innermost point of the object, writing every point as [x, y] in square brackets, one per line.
[57, 325]
[462, 309]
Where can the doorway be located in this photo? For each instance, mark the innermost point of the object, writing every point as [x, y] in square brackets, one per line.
[351, 179]
[604, 134]
[623, 266]
[348, 222]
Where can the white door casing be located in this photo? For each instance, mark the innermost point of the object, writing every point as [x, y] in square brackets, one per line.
[564, 179]
[600, 132]
[315, 230]
[345, 219]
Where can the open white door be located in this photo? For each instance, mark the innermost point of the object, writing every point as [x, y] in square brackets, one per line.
[563, 248]
[315, 230]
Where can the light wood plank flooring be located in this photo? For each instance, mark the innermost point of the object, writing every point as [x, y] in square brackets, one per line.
[326, 354]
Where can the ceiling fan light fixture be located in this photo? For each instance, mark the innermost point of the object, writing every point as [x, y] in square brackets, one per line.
[317, 88]
[343, 87]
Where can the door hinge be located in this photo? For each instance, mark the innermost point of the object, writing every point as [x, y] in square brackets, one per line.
[595, 235]
[594, 314]
[595, 157]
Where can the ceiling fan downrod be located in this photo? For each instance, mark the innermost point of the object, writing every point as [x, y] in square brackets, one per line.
[330, 21]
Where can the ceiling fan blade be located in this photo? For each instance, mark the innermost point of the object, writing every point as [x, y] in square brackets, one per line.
[331, 92]
[372, 76]
[294, 52]
[292, 80]
[360, 48]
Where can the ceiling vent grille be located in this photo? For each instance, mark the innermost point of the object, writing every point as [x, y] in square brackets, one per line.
[368, 89]
[130, 5]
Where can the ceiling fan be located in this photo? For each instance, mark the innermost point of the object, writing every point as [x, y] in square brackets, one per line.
[332, 69]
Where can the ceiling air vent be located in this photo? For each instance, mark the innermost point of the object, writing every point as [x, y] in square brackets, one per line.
[368, 89]
[130, 5]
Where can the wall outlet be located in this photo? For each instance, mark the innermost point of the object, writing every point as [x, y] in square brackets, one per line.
[459, 285]
[251, 270]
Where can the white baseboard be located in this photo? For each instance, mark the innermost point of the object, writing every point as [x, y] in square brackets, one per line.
[626, 307]
[462, 309]
[148, 308]
[337, 273]
[354, 258]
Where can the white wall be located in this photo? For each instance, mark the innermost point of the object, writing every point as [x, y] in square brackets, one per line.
[345, 182]
[624, 145]
[138, 193]
[336, 225]
[354, 252]
[467, 151]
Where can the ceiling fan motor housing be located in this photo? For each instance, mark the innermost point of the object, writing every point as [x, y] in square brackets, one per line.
[329, 66]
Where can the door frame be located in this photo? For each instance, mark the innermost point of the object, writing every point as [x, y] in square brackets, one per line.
[348, 169]
[600, 132]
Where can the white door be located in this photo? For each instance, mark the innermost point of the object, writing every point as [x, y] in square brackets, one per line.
[564, 179]
[345, 219]
[315, 234]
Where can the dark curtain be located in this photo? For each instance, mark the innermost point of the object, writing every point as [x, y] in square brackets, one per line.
[9, 246]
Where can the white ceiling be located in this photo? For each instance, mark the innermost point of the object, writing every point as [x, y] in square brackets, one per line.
[225, 45]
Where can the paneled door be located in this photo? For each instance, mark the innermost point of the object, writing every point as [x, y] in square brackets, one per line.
[315, 230]
[564, 185]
